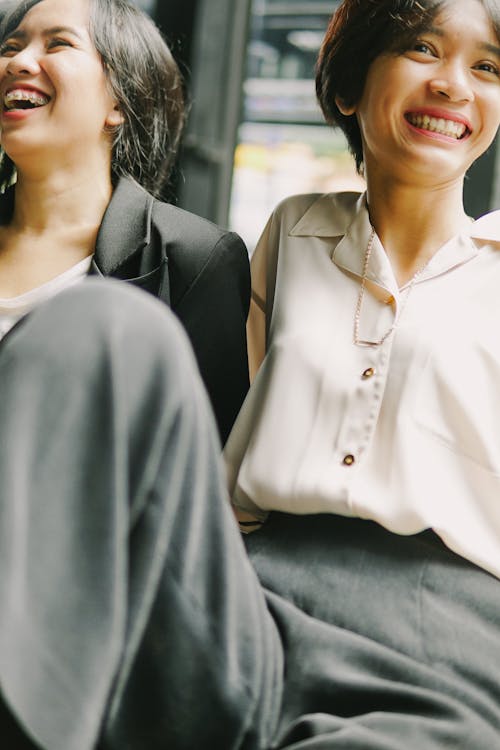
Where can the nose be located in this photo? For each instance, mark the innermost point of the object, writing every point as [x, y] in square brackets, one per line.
[453, 83]
[24, 62]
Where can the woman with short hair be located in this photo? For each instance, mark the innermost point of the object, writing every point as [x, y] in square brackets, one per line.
[367, 453]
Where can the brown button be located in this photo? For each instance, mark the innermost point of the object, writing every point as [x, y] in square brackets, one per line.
[368, 373]
[348, 460]
[389, 300]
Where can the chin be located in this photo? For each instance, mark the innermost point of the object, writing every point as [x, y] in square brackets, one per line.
[437, 165]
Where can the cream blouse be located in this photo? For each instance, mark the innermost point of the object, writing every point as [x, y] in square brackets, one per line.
[406, 433]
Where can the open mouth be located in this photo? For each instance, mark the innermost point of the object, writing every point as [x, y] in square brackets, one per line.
[439, 125]
[24, 99]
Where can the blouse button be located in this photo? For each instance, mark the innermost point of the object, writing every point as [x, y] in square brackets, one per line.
[348, 460]
[368, 373]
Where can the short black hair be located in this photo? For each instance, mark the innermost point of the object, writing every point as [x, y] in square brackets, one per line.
[358, 32]
[146, 83]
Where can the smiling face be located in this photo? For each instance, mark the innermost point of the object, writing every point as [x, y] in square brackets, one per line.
[55, 103]
[430, 111]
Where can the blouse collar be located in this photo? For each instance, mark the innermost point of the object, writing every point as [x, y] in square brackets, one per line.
[345, 216]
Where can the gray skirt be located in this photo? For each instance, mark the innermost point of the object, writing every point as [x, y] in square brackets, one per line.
[389, 641]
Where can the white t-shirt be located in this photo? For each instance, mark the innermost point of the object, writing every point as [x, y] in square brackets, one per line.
[406, 433]
[14, 308]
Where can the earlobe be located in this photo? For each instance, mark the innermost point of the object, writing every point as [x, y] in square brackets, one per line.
[344, 108]
[114, 118]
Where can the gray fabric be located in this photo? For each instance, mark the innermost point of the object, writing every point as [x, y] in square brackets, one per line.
[391, 641]
[128, 608]
[130, 616]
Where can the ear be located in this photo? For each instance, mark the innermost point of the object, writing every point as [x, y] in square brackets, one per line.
[344, 108]
[114, 118]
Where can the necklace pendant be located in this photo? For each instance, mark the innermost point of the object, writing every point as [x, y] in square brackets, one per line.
[357, 340]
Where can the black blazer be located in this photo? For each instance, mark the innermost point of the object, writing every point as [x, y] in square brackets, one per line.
[198, 269]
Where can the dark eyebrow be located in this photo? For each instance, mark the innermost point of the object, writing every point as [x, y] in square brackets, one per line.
[20, 34]
[485, 46]
[62, 30]
[491, 48]
[436, 30]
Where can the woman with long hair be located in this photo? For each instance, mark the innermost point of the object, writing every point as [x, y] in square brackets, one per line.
[89, 134]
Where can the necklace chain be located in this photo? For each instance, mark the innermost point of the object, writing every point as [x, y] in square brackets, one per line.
[357, 315]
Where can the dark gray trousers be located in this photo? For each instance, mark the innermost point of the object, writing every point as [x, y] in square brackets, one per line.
[129, 613]
[130, 617]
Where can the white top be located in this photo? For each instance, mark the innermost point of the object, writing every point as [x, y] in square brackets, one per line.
[14, 308]
[417, 417]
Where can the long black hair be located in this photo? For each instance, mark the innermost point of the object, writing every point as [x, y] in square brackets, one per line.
[144, 80]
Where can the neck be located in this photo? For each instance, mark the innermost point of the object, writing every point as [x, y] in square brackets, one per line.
[59, 202]
[413, 223]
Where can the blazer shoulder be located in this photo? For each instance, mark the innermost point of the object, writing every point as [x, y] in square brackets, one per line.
[193, 244]
[177, 223]
[183, 231]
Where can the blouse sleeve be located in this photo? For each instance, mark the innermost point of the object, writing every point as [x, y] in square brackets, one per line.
[263, 272]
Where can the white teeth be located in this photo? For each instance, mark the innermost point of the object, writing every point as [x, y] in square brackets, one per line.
[12, 98]
[438, 125]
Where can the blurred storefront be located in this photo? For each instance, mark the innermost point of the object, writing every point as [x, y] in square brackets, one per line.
[283, 146]
[255, 132]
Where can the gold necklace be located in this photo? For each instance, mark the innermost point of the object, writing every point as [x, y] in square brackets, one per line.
[357, 315]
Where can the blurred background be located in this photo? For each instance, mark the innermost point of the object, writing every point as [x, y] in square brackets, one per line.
[255, 132]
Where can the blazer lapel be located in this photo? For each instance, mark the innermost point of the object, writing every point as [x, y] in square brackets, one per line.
[125, 228]
[126, 247]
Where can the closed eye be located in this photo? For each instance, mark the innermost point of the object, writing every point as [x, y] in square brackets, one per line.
[8, 49]
[54, 43]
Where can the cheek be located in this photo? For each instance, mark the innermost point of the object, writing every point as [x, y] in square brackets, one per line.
[495, 107]
[372, 117]
[99, 90]
[82, 80]
[3, 67]
[491, 114]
